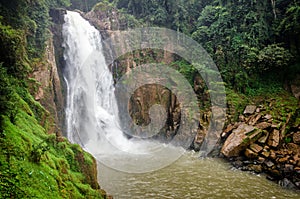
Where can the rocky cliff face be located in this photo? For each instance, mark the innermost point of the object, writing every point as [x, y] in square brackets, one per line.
[107, 20]
[49, 90]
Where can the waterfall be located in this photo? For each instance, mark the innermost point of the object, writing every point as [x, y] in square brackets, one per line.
[92, 112]
[91, 102]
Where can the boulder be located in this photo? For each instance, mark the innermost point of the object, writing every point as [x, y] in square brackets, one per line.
[237, 140]
[250, 109]
[274, 138]
[287, 183]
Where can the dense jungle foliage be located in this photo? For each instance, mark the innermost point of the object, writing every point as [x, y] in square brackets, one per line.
[255, 43]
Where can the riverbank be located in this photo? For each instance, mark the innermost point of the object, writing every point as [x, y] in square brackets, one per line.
[265, 139]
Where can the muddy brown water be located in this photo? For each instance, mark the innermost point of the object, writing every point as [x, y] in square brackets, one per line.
[191, 177]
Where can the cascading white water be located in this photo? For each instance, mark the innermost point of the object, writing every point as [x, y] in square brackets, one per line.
[92, 112]
[91, 103]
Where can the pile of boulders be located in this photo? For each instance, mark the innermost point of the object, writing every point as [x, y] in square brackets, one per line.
[260, 144]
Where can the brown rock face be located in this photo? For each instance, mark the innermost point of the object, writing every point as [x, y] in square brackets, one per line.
[49, 91]
[237, 141]
[140, 109]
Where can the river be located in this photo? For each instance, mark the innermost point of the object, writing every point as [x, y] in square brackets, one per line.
[191, 177]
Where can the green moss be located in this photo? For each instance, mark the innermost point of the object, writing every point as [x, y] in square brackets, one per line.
[236, 103]
[56, 175]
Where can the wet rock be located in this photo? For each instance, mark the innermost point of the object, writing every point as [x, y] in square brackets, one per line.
[263, 125]
[237, 141]
[296, 138]
[256, 148]
[49, 92]
[269, 164]
[260, 160]
[237, 163]
[288, 168]
[256, 168]
[246, 162]
[275, 173]
[57, 15]
[250, 154]
[274, 138]
[271, 178]
[250, 109]
[287, 183]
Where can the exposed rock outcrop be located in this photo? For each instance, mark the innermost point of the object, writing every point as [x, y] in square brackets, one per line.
[49, 90]
[275, 150]
[237, 141]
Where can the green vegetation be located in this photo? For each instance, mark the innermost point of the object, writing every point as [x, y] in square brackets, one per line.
[36, 165]
[252, 42]
[255, 45]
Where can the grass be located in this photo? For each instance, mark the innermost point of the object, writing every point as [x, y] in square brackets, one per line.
[64, 169]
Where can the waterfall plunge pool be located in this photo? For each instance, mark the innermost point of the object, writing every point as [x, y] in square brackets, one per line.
[193, 178]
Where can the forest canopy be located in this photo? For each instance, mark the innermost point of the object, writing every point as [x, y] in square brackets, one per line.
[250, 40]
